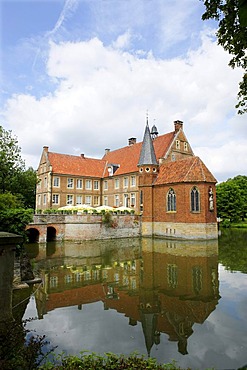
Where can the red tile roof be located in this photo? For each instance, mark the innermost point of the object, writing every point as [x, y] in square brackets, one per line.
[128, 157]
[76, 165]
[191, 169]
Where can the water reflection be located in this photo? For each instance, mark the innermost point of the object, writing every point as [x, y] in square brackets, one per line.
[167, 286]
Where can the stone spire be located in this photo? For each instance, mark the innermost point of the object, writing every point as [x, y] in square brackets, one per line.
[147, 156]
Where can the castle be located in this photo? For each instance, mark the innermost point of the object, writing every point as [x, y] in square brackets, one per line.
[160, 178]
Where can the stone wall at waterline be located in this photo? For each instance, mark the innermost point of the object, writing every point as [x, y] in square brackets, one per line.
[85, 226]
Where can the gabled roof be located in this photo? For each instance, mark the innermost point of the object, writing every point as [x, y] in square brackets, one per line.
[76, 165]
[128, 157]
[147, 156]
[191, 169]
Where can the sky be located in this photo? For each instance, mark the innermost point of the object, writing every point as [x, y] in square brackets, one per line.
[80, 76]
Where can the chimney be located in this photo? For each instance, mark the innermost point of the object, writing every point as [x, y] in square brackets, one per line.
[132, 140]
[82, 155]
[178, 125]
[107, 150]
[45, 148]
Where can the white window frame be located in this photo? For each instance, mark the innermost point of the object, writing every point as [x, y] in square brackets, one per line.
[105, 199]
[177, 144]
[56, 182]
[70, 200]
[70, 183]
[79, 200]
[126, 200]
[117, 183]
[88, 185]
[55, 198]
[116, 200]
[133, 181]
[105, 185]
[79, 184]
[44, 199]
[96, 185]
[88, 200]
[96, 200]
[133, 199]
[125, 182]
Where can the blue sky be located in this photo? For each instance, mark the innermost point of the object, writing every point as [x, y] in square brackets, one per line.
[79, 76]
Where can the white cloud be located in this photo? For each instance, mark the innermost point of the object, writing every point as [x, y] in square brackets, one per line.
[102, 94]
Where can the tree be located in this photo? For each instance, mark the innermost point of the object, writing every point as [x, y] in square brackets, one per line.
[232, 35]
[14, 178]
[11, 162]
[24, 184]
[232, 198]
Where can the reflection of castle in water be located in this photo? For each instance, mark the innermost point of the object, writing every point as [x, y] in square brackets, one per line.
[166, 285]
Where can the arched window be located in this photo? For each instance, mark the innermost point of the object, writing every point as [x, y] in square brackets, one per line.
[171, 201]
[195, 199]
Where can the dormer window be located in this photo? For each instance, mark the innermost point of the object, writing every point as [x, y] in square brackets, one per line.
[185, 146]
[112, 168]
[147, 169]
[177, 144]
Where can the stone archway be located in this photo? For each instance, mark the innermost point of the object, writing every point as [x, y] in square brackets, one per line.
[33, 235]
[51, 234]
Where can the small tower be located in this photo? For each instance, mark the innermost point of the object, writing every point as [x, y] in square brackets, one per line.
[148, 165]
[154, 132]
[148, 171]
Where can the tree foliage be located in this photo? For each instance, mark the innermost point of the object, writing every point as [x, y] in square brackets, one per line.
[14, 178]
[232, 199]
[232, 35]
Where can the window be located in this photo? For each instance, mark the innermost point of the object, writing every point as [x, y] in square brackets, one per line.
[87, 275]
[96, 200]
[133, 181]
[39, 200]
[88, 184]
[132, 199]
[117, 200]
[195, 199]
[105, 201]
[53, 281]
[197, 279]
[185, 146]
[69, 200]
[56, 181]
[78, 183]
[96, 185]
[105, 185]
[173, 157]
[70, 183]
[126, 200]
[141, 200]
[116, 183]
[45, 182]
[78, 200]
[126, 182]
[177, 144]
[88, 200]
[55, 198]
[68, 279]
[44, 199]
[172, 275]
[171, 201]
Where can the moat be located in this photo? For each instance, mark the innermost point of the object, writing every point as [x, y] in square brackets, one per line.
[177, 300]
